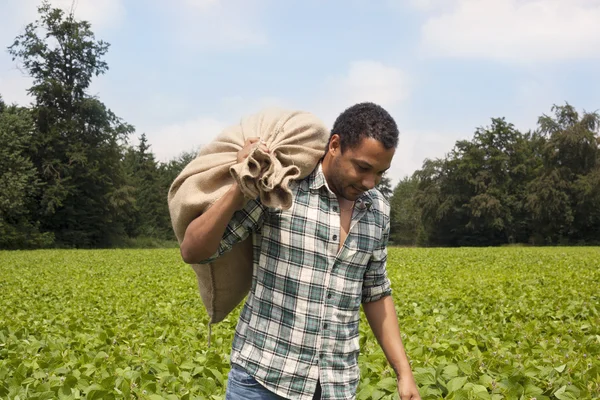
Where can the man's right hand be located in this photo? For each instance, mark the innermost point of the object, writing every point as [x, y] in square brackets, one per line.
[249, 146]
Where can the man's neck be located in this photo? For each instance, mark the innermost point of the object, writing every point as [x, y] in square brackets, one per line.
[326, 166]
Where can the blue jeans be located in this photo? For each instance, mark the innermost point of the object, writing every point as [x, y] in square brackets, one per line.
[242, 386]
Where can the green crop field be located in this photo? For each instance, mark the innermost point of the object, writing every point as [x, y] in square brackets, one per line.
[502, 323]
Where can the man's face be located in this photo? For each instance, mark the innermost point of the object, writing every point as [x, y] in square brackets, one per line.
[357, 169]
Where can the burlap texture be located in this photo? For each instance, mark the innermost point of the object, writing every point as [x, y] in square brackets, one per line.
[296, 141]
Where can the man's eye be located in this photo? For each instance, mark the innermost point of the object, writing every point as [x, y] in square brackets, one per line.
[363, 169]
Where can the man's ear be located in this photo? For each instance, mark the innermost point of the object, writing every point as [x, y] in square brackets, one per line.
[334, 144]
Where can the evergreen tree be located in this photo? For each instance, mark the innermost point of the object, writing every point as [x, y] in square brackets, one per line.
[150, 217]
[19, 182]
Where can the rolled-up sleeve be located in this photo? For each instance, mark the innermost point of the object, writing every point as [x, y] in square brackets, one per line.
[376, 283]
[243, 223]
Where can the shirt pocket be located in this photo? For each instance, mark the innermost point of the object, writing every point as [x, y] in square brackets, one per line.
[356, 254]
[359, 247]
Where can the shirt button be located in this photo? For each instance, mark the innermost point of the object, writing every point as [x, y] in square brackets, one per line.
[325, 326]
[334, 237]
[335, 208]
[329, 296]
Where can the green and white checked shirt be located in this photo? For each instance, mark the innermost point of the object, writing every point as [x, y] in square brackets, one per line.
[300, 321]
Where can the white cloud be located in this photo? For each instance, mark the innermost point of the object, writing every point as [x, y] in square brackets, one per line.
[374, 81]
[414, 146]
[365, 80]
[216, 24]
[533, 96]
[514, 30]
[426, 5]
[201, 4]
[13, 87]
[239, 105]
[169, 141]
[102, 14]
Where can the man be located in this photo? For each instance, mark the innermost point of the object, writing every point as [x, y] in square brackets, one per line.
[314, 265]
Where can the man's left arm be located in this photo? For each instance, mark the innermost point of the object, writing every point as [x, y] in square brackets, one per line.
[382, 318]
[379, 309]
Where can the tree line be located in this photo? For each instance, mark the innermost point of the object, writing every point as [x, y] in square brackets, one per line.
[504, 186]
[69, 176]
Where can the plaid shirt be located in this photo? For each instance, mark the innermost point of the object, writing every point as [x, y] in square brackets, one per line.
[300, 320]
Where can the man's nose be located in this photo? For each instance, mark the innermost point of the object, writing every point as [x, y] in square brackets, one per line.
[369, 182]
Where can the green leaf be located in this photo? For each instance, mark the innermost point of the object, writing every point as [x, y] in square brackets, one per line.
[532, 390]
[465, 368]
[585, 327]
[93, 387]
[475, 388]
[424, 378]
[102, 355]
[483, 396]
[479, 391]
[39, 374]
[377, 394]
[98, 394]
[365, 393]
[562, 394]
[388, 384]
[486, 380]
[456, 384]
[217, 375]
[450, 371]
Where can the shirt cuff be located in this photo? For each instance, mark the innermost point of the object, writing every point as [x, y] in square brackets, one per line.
[377, 293]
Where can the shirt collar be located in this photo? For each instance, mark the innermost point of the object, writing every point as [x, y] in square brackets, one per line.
[317, 179]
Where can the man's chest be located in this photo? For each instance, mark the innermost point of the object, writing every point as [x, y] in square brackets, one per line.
[316, 234]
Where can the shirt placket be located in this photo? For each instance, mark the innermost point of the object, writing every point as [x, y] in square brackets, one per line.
[334, 216]
[323, 345]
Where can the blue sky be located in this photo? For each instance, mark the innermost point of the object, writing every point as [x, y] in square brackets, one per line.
[182, 70]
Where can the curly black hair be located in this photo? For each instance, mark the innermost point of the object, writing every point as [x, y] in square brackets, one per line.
[365, 120]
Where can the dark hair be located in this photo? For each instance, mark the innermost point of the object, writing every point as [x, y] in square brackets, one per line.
[365, 120]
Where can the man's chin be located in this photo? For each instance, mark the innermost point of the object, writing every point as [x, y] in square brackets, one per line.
[352, 194]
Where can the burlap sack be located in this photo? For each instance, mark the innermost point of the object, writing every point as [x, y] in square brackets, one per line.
[296, 141]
